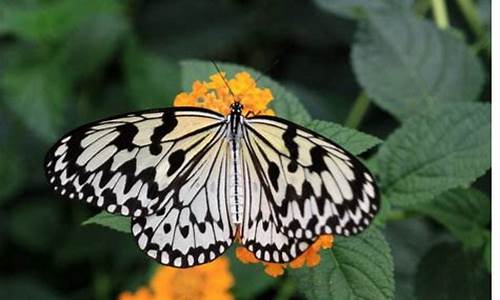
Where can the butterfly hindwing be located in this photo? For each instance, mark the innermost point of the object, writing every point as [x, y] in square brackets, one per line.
[193, 226]
[314, 186]
[127, 164]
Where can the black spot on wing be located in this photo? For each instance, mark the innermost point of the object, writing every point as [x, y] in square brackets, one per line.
[288, 136]
[127, 133]
[317, 156]
[169, 123]
[167, 227]
[274, 172]
[175, 161]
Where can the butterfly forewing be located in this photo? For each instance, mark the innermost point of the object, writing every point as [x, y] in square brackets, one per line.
[313, 185]
[126, 164]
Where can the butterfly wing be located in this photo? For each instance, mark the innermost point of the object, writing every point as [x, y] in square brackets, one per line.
[127, 164]
[193, 227]
[261, 228]
[313, 185]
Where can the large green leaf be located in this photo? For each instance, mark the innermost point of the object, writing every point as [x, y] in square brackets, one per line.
[447, 272]
[352, 140]
[153, 81]
[465, 212]
[447, 148]
[359, 8]
[406, 64]
[119, 223]
[285, 103]
[358, 267]
[410, 239]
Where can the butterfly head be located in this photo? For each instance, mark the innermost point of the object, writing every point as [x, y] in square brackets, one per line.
[236, 108]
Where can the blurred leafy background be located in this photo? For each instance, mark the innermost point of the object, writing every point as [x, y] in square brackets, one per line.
[415, 74]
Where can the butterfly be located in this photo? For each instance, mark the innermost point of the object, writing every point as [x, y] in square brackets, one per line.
[192, 180]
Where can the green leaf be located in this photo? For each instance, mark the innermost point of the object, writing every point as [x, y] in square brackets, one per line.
[286, 104]
[406, 64]
[352, 140]
[119, 223]
[50, 21]
[92, 44]
[153, 81]
[358, 8]
[410, 239]
[465, 212]
[447, 272]
[358, 267]
[447, 148]
[38, 95]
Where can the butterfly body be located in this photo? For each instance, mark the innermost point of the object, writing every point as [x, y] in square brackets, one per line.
[234, 138]
[192, 180]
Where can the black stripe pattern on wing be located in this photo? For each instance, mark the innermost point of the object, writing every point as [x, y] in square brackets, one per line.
[261, 228]
[125, 164]
[193, 224]
[320, 189]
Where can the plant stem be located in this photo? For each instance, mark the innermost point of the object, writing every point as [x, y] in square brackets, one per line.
[440, 14]
[358, 111]
[471, 16]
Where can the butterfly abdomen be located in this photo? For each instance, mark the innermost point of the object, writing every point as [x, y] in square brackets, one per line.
[235, 173]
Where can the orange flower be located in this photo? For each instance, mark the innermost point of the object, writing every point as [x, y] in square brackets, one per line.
[208, 281]
[216, 95]
[310, 257]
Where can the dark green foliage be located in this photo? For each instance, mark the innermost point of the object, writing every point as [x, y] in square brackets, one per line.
[417, 96]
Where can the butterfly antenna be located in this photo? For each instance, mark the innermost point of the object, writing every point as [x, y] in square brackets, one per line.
[225, 81]
[261, 75]
[267, 70]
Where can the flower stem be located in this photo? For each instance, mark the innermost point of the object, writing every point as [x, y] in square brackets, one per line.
[358, 111]
[440, 13]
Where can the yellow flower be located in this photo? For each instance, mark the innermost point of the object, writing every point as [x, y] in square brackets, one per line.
[215, 95]
[211, 281]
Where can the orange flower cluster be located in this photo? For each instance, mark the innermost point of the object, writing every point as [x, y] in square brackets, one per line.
[309, 258]
[215, 95]
[210, 281]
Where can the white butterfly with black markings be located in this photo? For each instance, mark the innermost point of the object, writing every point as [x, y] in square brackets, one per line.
[193, 179]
